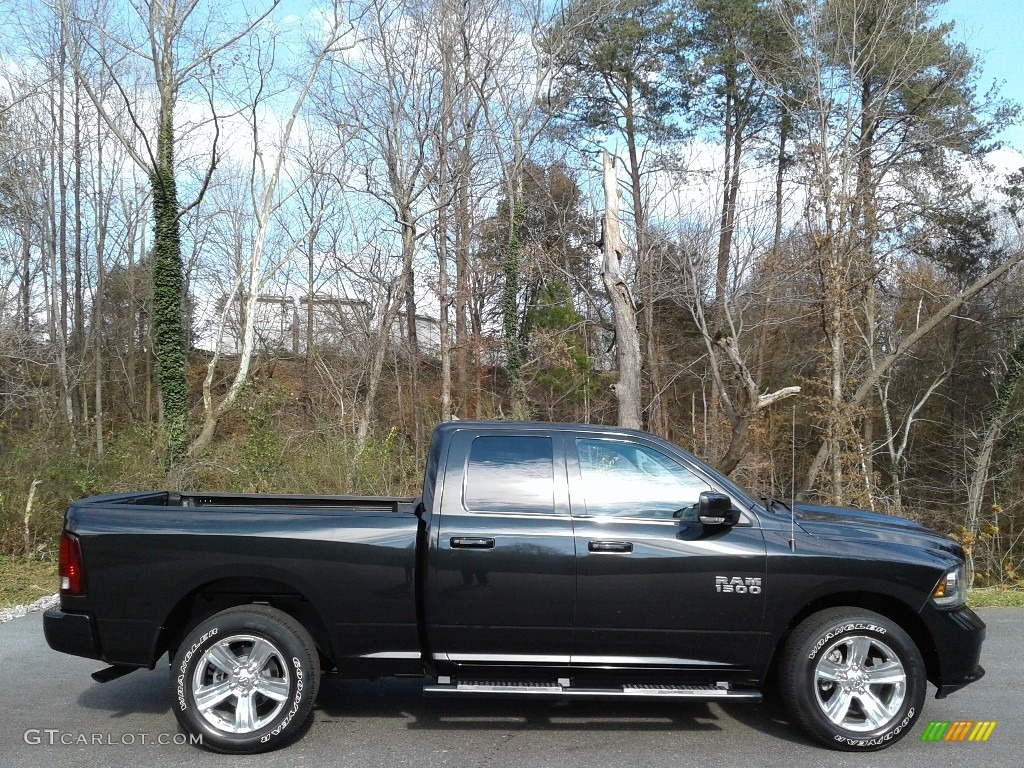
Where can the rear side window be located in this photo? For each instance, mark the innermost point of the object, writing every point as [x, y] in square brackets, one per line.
[510, 473]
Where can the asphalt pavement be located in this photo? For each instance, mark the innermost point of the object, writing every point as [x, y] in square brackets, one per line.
[53, 715]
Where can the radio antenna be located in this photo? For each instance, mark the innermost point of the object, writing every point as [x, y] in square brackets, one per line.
[792, 481]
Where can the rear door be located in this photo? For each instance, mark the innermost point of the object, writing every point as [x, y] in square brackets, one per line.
[502, 587]
[656, 589]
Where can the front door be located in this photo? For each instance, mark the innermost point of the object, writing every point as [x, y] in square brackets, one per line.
[656, 588]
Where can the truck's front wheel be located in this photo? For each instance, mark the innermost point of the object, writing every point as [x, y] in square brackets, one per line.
[245, 680]
[854, 679]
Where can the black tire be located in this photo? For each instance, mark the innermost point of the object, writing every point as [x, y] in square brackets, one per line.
[853, 679]
[254, 702]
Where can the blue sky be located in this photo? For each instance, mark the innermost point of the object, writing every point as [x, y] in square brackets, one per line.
[994, 30]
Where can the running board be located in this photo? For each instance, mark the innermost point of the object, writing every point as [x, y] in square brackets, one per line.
[112, 673]
[562, 689]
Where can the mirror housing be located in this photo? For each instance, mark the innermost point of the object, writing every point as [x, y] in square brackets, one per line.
[717, 509]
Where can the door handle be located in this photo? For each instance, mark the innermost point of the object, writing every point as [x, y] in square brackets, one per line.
[611, 546]
[472, 542]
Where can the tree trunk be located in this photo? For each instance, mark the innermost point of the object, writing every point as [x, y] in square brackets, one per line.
[443, 332]
[463, 226]
[57, 221]
[56, 285]
[390, 310]
[409, 234]
[995, 419]
[97, 309]
[168, 287]
[134, 322]
[62, 234]
[26, 272]
[78, 325]
[627, 338]
[444, 350]
[773, 259]
[733, 147]
[462, 240]
[510, 297]
[656, 416]
[836, 410]
[310, 316]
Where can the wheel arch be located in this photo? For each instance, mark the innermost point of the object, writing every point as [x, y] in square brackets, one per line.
[219, 594]
[886, 605]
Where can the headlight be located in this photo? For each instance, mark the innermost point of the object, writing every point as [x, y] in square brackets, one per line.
[949, 592]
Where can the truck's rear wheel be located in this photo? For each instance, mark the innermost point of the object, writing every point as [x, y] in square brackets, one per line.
[245, 680]
[853, 679]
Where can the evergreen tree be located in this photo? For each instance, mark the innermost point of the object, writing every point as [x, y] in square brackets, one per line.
[630, 78]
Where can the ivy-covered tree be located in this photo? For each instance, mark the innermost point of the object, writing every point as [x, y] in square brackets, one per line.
[561, 360]
[175, 42]
[552, 247]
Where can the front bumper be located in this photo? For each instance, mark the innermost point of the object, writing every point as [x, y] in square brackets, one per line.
[945, 690]
[958, 636]
[72, 633]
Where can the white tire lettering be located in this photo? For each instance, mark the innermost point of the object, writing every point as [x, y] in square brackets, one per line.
[840, 630]
[295, 703]
[183, 669]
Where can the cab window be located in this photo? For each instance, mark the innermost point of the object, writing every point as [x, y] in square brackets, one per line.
[510, 473]
[624, 479]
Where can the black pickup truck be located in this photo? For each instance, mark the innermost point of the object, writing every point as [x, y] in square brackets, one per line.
[542, 560]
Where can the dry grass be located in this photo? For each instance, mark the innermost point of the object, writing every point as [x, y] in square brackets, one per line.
[995, 597]
[24, 581]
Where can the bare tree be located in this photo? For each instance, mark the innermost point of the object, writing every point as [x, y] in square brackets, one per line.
[267, 199]
[883, 95]
[178, 46]
[391, 107]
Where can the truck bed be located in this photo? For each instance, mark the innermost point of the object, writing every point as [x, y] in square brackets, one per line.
[349, 560]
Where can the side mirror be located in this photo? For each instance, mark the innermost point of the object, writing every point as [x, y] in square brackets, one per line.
[717, 509]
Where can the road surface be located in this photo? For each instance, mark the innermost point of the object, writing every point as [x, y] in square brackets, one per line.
[55, 715]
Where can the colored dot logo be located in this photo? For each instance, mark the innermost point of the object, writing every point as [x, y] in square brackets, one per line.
[958, 730]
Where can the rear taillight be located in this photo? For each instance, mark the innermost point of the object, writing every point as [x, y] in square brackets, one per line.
[72, 573]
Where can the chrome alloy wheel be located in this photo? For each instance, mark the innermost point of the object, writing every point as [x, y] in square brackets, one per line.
[860, 683]
[241, 684]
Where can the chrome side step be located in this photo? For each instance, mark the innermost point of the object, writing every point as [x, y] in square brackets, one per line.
[562, 689]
